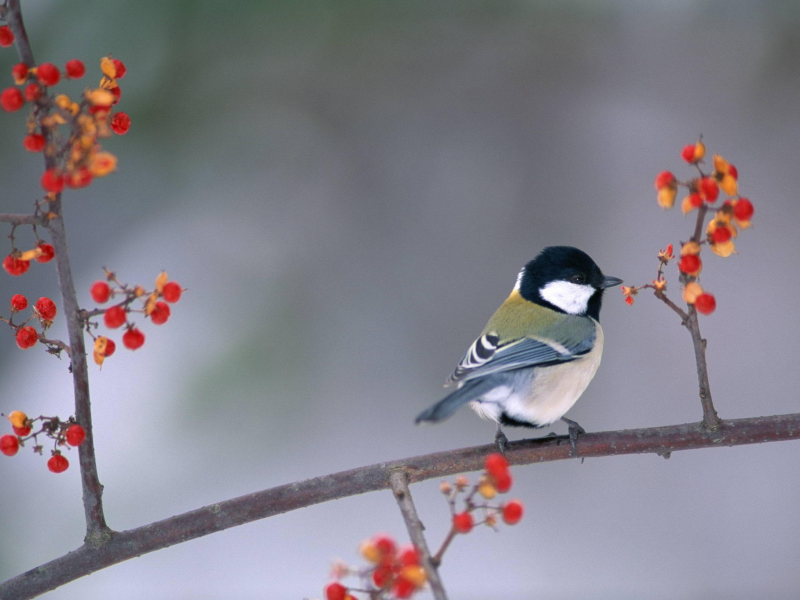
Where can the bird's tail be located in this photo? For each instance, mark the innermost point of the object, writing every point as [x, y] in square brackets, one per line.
[469, 391]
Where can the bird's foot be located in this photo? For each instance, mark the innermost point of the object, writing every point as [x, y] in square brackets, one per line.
[501, 440]
[574, 431]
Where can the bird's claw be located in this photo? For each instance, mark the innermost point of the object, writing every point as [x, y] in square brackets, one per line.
[501, 440]
[574, 431]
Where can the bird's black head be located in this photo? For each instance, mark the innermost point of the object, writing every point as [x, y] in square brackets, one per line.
[565, 279]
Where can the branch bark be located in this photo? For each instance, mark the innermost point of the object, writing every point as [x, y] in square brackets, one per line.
[398, 481]
[124, 545]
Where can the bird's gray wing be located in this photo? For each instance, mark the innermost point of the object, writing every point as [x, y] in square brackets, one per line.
[486, 356]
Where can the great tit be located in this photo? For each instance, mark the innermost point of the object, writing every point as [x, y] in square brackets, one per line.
[540, 349]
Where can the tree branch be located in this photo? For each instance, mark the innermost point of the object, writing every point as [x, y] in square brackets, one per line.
[124, 545]
[22, 219]
[398, 481]
[97, 531]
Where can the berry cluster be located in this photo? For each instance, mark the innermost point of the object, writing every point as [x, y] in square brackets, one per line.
[393, 572]
[18, 262]
[154, 305]
[43, 312]
[66, 130]
[496, 479]
[398, 573]
[64, 434]
[702, 195]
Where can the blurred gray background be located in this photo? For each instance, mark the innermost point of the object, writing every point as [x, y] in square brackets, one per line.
[348, 190]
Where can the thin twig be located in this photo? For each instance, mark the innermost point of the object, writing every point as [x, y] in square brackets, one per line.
[398, 481]
[97, 532]
[125, 545]
[22, 219]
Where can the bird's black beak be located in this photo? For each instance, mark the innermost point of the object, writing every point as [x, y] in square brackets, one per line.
[610, 282]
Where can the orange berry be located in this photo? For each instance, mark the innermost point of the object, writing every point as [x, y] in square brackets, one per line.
[120, 123]
[53, 180]
[6, 36]
[16, 267]
[335, 591]
[687, 153]
[18, 303]
[709, 189]
[9, 445]
[120, 68]
[46, 309]
[75, 435]
[115, 317]
[48, 252]
[100, 292]
[172, 291]
[20, 73]
[743, 209]
[133, 339]
[75, 68]
[33, 92]
[664, 179]
[496, 465]
[79, 178]
[27, 337]
[690, 264]
[48, 74]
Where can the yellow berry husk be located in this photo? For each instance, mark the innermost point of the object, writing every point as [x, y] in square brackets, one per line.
[666, 197]
[30, 254]
[151, 303]
[491, 520]
[691, 292]
[414, 574]
[687, 206]
[108, 67]
[720, 164]
[99, 97]
[461, 482]
[487, 490]
[725, 249]
[102, 163]
[138, 291]
[370, 552]
[699, 150]
[99, 358]
[17, 418]
[445, 487]
[63, 101]
[729, 185]
[660, 284]
[100, 345]
[690, 248]
[160, 281]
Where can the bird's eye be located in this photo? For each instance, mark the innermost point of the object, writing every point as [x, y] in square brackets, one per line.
[578, 278]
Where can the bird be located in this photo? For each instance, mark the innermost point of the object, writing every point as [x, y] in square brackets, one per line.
[539, 350]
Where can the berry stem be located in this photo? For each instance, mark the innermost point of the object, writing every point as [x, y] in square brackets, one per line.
[398, 481]
[97, 532]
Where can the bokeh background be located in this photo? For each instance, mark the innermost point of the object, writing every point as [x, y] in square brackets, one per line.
[348, 191]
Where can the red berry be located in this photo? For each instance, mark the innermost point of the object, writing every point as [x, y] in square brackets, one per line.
[46, 308]
[496, 465]
[172, 291]
[335, 591]
[409, 556]
[733, 171]
[133, 339]
[120, 67]
[117, 93]
[721, 235]
[696, 200]
[75, 435]
[9, 445]
[664, 179]
[21, 431]
[382, 575]
[743, 211]
[52, 180]
[15, 266]
[75, 68]
[705, 304]
[27, 337]
[687, 153]
[503, 483]
[58, 463]
[709, 189]
[690, 263]
[33, 142]
[512, 512]
[11, 99]
[463, 522]
[6, 36]
[100, 292]
[114, 317]
[160, 313]
[33, 92]
[48, 74]
[385, 545]
[79, 178]
[110, 348]
[48, 252]
[20, 73]
[19, 302]
[120, 123]
[403, 588]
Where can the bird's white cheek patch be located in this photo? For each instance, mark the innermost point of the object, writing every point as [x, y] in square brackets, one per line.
[572, 298]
